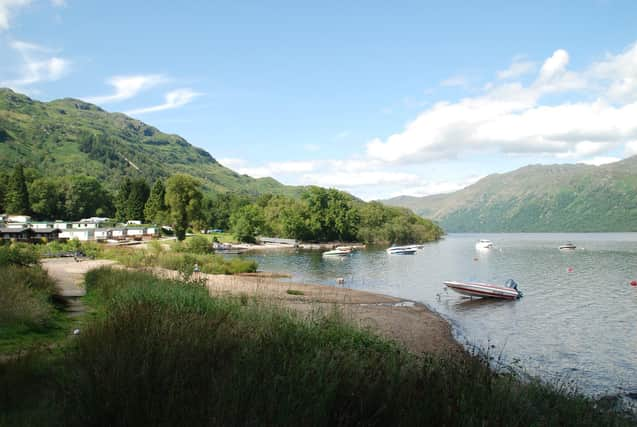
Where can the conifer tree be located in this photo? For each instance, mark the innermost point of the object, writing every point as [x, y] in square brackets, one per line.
[137, 199]
[16, 199]
[155, 208]
[121, 200]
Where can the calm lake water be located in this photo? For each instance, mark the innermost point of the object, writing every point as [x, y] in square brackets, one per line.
[576, 322]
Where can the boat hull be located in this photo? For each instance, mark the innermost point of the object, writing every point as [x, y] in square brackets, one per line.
[483, 290]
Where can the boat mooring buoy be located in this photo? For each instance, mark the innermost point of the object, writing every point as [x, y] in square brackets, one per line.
[475, 259]
[569, 270]
[633, 283]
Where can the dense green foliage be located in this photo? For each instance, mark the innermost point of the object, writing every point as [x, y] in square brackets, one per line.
[564, 198]
[164, 353]
[69, 198]
[71, 137]
[329, 215]
[183, 200]
[155, 205]
[16, 197]
[131, 200]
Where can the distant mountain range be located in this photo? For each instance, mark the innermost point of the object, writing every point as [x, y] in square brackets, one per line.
[553, 198]
[69, 137]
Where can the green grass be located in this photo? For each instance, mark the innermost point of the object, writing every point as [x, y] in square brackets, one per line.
[179, 258]
[28, 316]
[165, 353]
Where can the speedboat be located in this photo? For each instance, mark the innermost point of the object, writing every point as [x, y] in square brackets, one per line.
[402, 250]
[484, 244]
[568, 246]
[486, 290]
[338, 252]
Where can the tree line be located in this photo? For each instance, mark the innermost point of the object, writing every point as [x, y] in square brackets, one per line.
[319, 214]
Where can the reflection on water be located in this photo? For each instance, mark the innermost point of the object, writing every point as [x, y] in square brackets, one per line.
[578, 317]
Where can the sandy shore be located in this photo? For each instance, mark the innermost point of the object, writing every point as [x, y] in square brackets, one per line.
[412, 324]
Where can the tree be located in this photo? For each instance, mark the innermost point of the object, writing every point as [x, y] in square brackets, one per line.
[121, 200]
[137, 198]
[183, 199]
[84, 197]
[155, 208]
[16, 199]
[331, 214]
[247, 223]
[47, 198]
[4, 182]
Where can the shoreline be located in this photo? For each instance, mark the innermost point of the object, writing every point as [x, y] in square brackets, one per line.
[418, 328]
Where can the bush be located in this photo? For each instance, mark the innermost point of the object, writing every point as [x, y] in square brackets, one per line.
[22, 254]
[25, 297]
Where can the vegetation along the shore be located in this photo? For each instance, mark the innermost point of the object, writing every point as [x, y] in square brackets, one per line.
[162, 352]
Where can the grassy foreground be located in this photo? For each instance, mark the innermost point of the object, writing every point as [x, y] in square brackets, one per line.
[163, 353]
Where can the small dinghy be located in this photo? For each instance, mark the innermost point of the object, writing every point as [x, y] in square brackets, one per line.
[486, 290]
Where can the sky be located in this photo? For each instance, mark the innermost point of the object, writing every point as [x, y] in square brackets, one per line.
[376, 98]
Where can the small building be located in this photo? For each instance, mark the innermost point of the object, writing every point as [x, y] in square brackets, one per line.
[79, 234]
[42, 224]
[103, 234]
[23, 219]
[133, 222]
[26, 234]
[118, 233]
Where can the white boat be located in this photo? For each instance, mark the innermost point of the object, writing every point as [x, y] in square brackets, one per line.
[484, 244]
[568, 246]
[402, 250]
[339, 252]
[486, 290]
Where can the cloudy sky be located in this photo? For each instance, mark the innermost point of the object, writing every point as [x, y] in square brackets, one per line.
[376, 98]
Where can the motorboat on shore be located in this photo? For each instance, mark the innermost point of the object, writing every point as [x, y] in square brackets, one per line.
[486, 290]
[568, 246]
[484, 244]
[338, 252]
[228, 249]
[402, 250]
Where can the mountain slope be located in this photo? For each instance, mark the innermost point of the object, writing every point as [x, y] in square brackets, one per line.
[539, 198]
[69, 136]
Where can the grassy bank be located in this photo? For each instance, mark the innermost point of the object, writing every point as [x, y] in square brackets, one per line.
[28, 315]
[164, 353]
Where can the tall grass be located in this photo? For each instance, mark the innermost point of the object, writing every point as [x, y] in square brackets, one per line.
[181, 260]
[165, 353]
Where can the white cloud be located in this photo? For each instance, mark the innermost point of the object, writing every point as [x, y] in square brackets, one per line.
[58, 3]
[173, 99]
[127, 87]
[232, 162]
[429, 188]
[454, 81]
[511, 118]
[359, 179]
[597, 161]
[7, 9]
[38, 65]
[275, 168]
[518, 67]
[630, 149]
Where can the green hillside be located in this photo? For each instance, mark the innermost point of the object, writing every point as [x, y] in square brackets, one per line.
[538, 198]
[72, 137]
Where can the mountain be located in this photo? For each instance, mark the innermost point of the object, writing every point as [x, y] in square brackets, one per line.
[539, 198]
[69, 136]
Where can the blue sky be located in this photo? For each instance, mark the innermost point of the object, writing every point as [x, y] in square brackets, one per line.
[376, 98]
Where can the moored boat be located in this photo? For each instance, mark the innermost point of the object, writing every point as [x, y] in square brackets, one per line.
[568, 246]
[338, 252]
[486, 290]
[484, 244]
[402, 250]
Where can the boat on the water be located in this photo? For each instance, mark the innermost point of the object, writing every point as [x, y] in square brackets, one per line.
[568, 246]
[484, 244]
[338, 252]
[486, 290]
[402, 250]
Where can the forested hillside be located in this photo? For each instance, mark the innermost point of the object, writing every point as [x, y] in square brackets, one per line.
[539, 198]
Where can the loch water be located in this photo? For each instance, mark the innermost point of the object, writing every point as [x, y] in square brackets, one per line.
[577, 321]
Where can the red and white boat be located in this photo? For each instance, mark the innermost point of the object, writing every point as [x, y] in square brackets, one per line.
[486, 290]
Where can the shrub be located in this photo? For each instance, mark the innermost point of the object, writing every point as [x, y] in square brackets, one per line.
[25, 297]
[22, 254]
